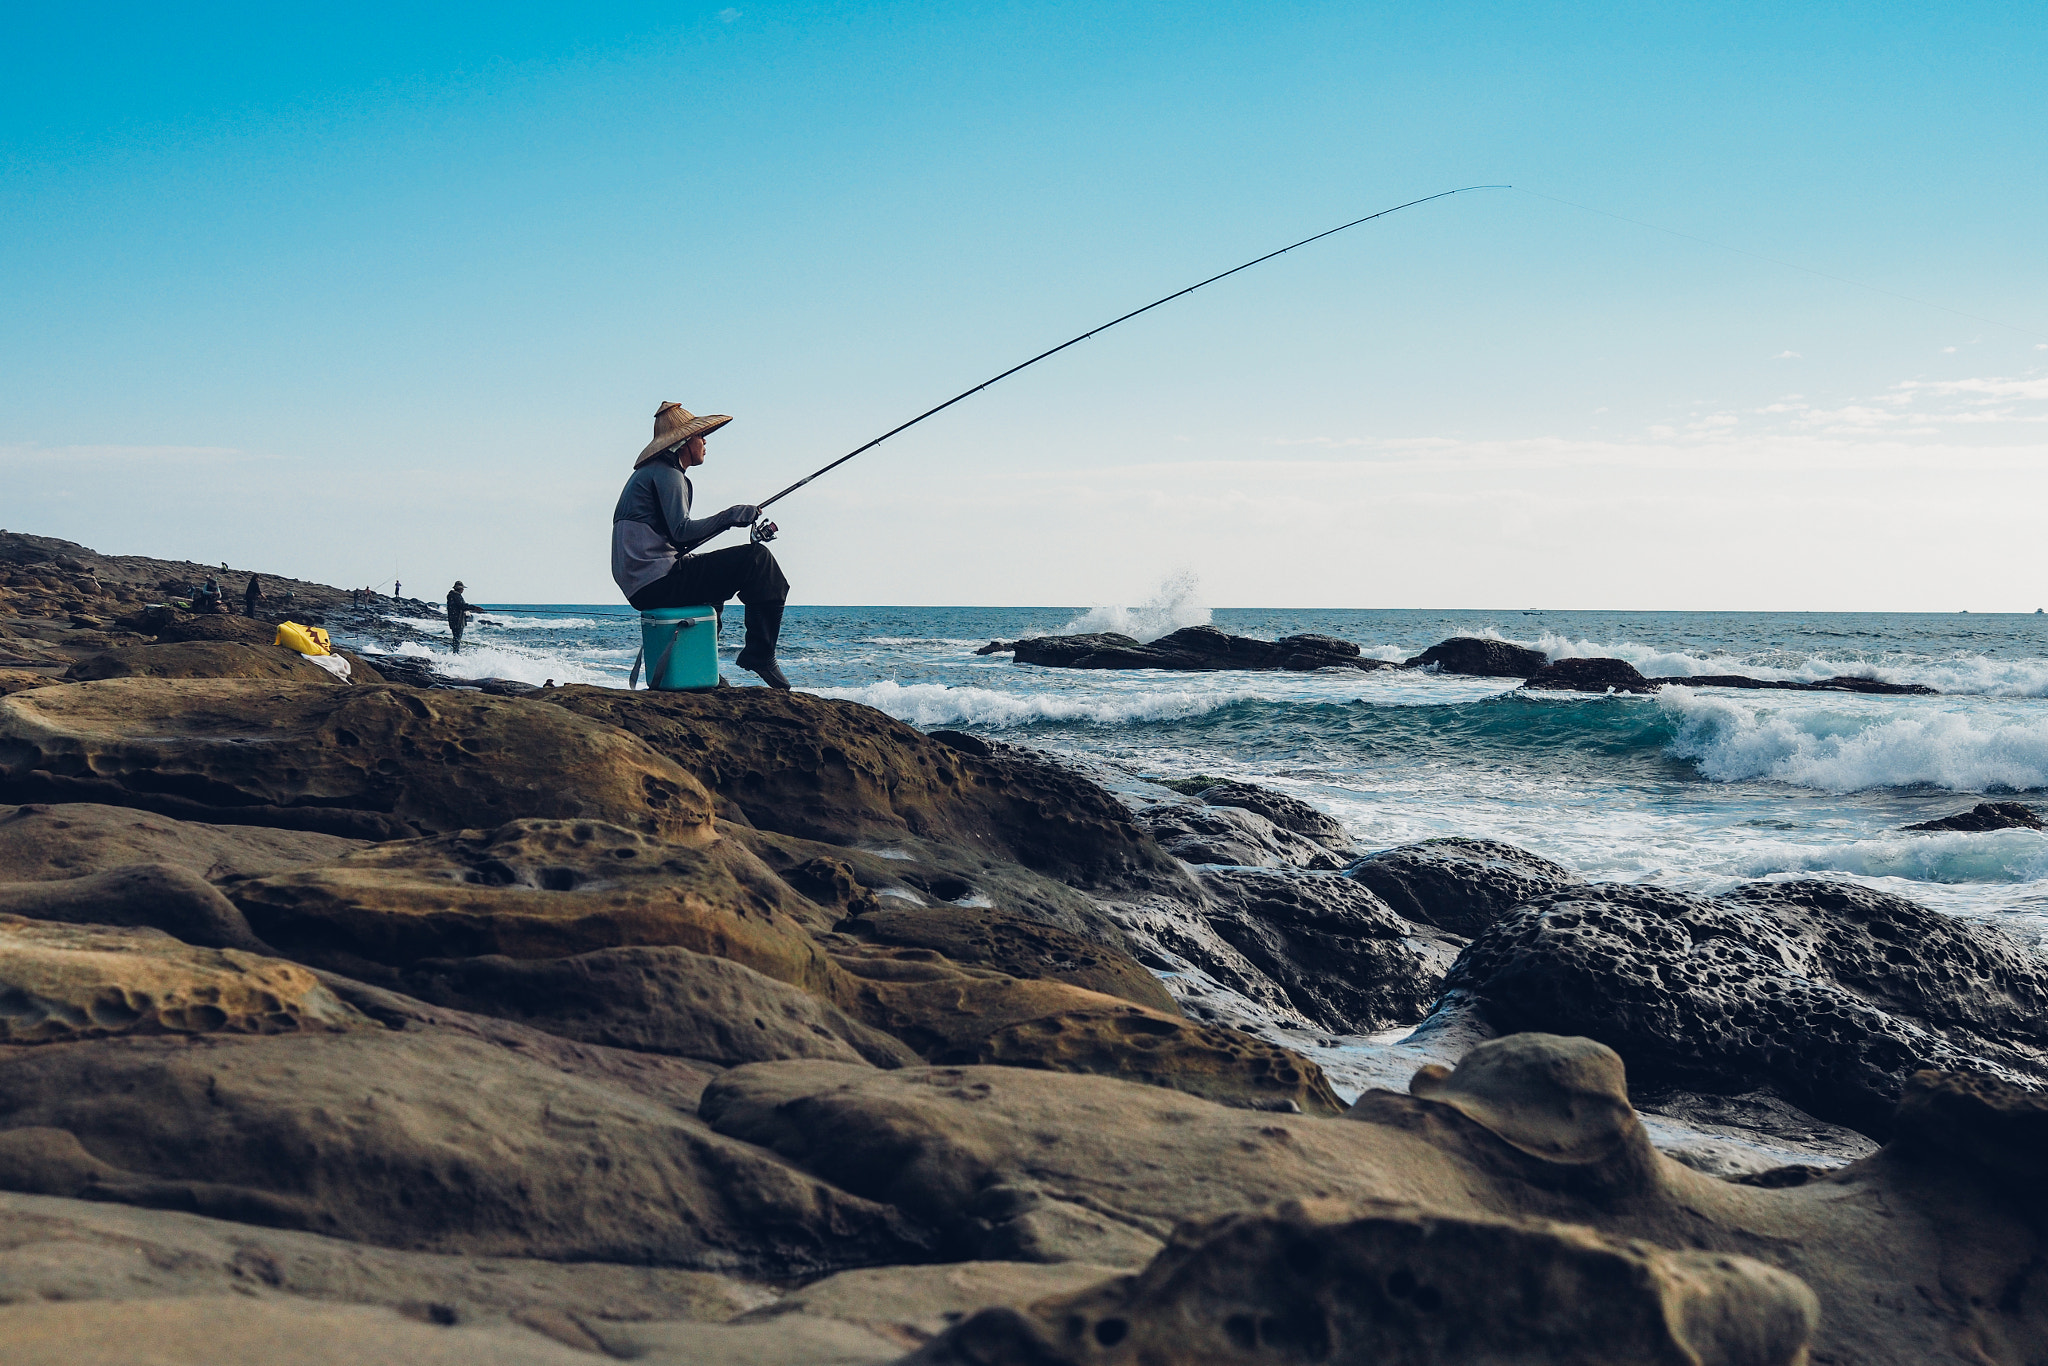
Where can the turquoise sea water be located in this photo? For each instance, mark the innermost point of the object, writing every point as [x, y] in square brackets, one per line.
[1692, 787]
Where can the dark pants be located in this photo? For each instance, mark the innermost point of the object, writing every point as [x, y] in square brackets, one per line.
[455, 625]
[746, 571]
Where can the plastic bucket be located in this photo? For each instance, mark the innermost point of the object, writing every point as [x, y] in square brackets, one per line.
[682, 648]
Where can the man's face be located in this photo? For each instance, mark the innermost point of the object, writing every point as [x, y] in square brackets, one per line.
[693, 453]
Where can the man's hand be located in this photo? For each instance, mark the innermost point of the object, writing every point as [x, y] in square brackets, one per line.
[739, 514]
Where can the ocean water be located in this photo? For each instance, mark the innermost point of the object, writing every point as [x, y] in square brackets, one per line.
[1696, 788]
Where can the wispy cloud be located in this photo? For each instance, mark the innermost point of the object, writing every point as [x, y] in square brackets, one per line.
[1788, 355]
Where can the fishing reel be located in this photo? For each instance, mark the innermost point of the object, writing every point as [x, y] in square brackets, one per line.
[762, 532]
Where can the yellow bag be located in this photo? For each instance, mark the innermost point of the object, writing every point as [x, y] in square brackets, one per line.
[307, 640]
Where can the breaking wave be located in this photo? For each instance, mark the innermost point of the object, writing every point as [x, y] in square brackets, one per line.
[936, 704]
[1851, 749]
[1177, 603]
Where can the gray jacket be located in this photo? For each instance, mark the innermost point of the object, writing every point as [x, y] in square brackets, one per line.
[652, 523]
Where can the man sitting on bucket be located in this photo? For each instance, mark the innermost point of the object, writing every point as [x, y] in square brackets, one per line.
[652, 531]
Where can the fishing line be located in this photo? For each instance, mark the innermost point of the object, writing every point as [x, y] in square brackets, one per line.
[1093, 331]
[1790, 265]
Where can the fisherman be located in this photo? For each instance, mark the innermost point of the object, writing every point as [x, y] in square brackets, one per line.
[252, 594]
[652, 533]
[459, 609]
[207, 600]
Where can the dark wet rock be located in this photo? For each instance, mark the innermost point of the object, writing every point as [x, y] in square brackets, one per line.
[1830, 996]
[845, 774]
[1484, 658]
[1190, 649]
[1459, 884]
[1345, 960]
[1229, 834]
[656, 1000]
[1289, 813]
[377, 761]
[1590, 675]
[1986, 816]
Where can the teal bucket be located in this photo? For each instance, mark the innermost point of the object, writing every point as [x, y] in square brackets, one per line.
[680, 646]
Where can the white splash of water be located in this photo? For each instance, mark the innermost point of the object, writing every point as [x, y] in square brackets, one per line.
[1176, 603]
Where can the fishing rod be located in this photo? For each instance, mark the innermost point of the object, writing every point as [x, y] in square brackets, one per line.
[764, 530]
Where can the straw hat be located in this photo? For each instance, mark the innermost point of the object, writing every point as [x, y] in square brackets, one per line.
[675, 424]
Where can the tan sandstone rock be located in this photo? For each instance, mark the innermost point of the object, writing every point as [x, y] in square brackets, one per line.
[538, 889]
[378, 760]
[42, 842]
[216, 659]
[1322, 1281]
[63, 983]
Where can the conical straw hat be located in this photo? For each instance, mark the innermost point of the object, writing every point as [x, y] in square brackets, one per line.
[673, 423]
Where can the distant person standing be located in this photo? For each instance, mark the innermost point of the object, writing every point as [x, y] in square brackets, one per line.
[459, 610]
[397, 590]
[252, 596]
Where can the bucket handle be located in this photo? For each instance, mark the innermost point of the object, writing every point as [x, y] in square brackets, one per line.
[661, 664]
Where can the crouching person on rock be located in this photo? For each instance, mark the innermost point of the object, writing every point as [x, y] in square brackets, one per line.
[652, 530]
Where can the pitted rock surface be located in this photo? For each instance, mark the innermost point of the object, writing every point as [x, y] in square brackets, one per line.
[1485, 658]
[984, 938]
[65, 983]
[1723, 995]
[379, 760]
[1458, 884]
[536, 889]
[1363, 1285]
[845, 774]
[1345, 960]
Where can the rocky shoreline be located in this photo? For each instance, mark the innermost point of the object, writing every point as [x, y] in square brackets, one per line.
[422, 1023]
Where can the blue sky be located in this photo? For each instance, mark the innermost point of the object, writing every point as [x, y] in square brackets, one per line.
[367, 290]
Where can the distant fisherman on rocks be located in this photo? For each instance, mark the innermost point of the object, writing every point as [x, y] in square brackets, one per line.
[459, 611]
[652, 532]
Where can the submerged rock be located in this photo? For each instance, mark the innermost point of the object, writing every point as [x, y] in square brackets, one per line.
[1986, 816]
[1829, 995]
[1346, 961]
[1190, 649]
[1458, 884]
[1485, 658]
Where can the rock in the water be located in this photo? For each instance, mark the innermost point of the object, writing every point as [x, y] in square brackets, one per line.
[43, 842]
[215, 659]
[1590, 675]
[1485, 658]
[535, 889]
[846, 774]
[1352, 1286]
[1839, 683]
[1776, 987]
[1230, 835]
[1344, 959]
[421, 1138]
[63, 983]
[380, 761]
[1190, 649]
[1986, 816]
[657, 1000]
[157, 896]
[1013, 945]
[1458, 884]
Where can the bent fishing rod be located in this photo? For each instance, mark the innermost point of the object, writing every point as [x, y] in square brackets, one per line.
[764, 530]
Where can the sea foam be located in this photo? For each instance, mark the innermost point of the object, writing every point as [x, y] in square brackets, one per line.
[1849, 748]
[936, 704]
[1177, 603]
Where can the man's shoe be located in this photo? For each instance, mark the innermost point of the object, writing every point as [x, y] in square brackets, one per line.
[769, 674]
